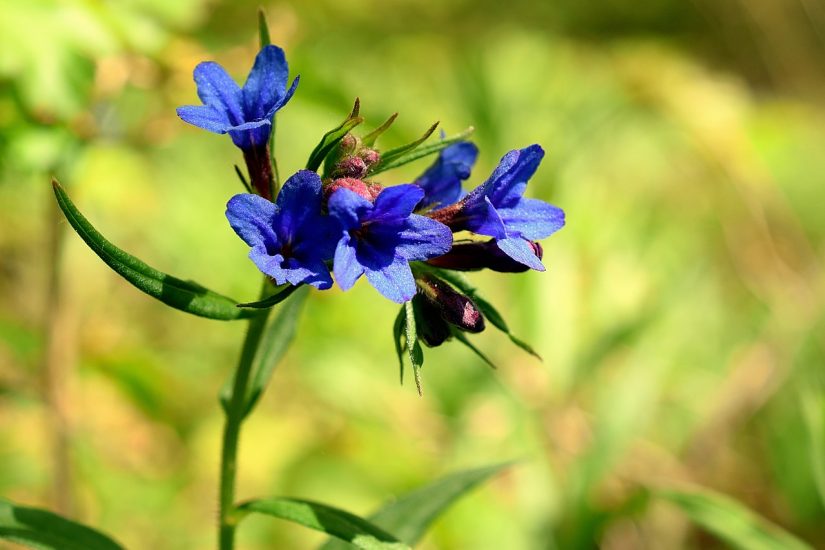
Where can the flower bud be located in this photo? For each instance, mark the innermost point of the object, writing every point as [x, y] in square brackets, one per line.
[456, 308]
[432, 329]
[348, 144]
[366, 189]
[370, 156]
[350, 167]
[472, 256]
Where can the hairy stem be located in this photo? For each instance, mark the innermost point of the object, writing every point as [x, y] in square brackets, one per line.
[235, 413]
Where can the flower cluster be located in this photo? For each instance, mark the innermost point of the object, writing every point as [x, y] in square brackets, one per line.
[344, 224]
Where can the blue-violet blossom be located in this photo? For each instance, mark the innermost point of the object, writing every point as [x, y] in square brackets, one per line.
[380, 239]
[441, 182]
[244, 113]
[498, 209]
[290, 238]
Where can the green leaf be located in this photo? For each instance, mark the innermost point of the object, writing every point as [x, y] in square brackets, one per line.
[275, 341]
[331, 138]
[45, 530]
[243, 179]
[263, 29]
[411, 515]
[458, 335]
[332, 521]
[285, 292]
[369, 139]
[397, 330]
[183, 295]
[731, 521]
[414, 351]
[404, 155]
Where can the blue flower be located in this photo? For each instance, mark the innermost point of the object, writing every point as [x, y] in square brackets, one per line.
[244, 113]
[290, 239]
[442, 181]
[498, 209]
[380, 239]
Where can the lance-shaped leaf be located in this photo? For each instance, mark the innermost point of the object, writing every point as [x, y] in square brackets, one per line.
[397, 333]
[731, 521]
[414, 351]
[411, 515]
[279, 296]
[369, 139]
[461, 337]
[45, 530]
[331, 138]
[183, 295]
[275, 341]
[406, 154]
[263, 29]
[332, 521]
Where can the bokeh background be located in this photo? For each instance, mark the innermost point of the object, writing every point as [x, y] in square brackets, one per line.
[680, 319]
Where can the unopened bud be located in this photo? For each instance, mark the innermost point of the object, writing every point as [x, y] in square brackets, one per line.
[456, 308]
[370, 156]
[431, 327]
[353, 184]
[348, 144]
[473, 256]
[350, 167]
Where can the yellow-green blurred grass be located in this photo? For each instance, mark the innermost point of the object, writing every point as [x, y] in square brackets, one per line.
[680, 318]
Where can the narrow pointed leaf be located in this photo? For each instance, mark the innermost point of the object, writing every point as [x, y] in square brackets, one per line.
[332, 521]
[276, 339]
[45, 530]
[273, 300]
[464, 340]
[331, 138]
[369, 139]
[411, 515]
[392, 159]
[414, 351]
[241, 177]
[183, 295]
[731, 521]
[397, 332]
[263, 29]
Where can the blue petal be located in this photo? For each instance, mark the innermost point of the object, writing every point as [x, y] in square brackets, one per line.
[348, 208]
[253, 219]
[251, 135]
[394, 280]
[217, 90]
[480, 216]
[285, 99]
[423, 238]
[520, 250]
[506, 185]
[312, 272]
[346, 266]
[266, 83]
[532, 219]
[396, 202]
[442, 181]
[205, 117]
[299, 200]
[268, 264]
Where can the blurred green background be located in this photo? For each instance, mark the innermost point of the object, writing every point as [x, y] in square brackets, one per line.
[681, 319]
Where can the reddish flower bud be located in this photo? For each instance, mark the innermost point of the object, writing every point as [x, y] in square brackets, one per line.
[456, 308]
[348, 144]
[350, 167]
[370, 156]
[353, 184]
[473, 256]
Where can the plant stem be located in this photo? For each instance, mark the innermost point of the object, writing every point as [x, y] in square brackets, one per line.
[235, 413]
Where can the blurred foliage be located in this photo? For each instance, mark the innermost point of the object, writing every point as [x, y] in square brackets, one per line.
[681, 319]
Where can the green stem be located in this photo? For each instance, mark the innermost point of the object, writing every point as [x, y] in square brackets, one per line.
[235, 413]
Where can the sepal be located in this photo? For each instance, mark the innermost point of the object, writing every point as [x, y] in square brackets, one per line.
[331, 139]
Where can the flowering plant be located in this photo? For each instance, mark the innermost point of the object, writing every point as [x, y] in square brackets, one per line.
[334, 222]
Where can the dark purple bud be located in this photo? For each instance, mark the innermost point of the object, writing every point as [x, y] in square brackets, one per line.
[431, 327]
[370, 156]
[472, 256]
[350, 167]
[456, 308]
